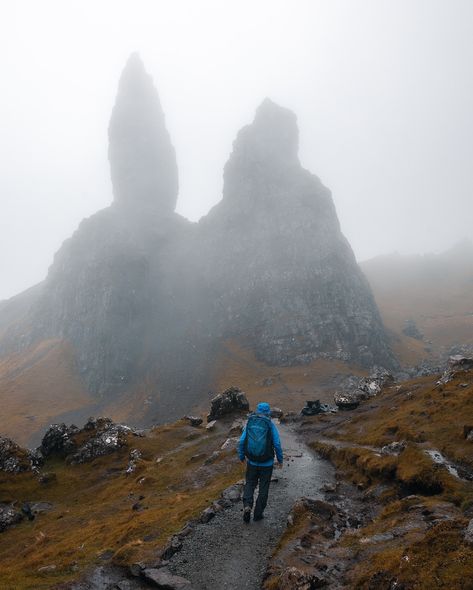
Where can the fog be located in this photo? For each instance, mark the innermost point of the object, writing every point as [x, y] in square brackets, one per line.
[382, 90]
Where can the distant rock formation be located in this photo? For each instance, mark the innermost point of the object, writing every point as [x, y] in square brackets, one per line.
[143, 294]
[285, 277]
[142, 159]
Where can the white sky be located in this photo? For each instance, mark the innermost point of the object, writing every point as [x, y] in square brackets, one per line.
[382, 89]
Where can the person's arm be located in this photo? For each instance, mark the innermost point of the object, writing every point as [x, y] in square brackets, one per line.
[277, 443]
[241, 445]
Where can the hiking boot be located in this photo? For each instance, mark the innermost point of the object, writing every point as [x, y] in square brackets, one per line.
[246, 514]
[257, 517]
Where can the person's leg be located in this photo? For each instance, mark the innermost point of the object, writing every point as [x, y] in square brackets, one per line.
[264, 481]
[250, 485]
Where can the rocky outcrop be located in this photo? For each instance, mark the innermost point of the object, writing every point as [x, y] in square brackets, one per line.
[59, 440]
[142, 294]
[13, 458]
[98, 437]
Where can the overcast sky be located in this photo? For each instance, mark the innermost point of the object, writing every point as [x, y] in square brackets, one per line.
[383, 92]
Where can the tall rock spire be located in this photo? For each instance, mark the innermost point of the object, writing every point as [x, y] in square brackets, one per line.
[142, 158]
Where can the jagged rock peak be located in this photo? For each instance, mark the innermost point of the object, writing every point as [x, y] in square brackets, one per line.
[142, 159]
[264, 155]
[273, 137]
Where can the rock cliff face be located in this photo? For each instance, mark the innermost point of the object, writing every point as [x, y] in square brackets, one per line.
[142, 293]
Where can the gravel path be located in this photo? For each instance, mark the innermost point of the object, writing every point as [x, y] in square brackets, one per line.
[227, 554]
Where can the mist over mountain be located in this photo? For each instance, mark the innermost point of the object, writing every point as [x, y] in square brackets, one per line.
[143, 295]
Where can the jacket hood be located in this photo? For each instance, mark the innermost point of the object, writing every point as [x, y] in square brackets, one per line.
[263, 408]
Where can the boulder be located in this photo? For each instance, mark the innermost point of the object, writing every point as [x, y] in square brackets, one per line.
[277, 413]
[59, 440]
[230, 401]
[468, 432]
[315, 407]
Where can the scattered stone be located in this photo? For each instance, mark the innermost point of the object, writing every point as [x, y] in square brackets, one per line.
[233, 493]
[207, 515]
[8, 516]
[197, 457]
[328, 488]
[277, 413]
[165, 580]
[106, 555]
[194, 420]
[186, 531]
[237, 426]
[211, 425]
[213, 457]
[394, 448]
[230, 401]
[135, 456]
[468, 432]
[47, 477]
[26, 510]
[378, 538]
[230, 443]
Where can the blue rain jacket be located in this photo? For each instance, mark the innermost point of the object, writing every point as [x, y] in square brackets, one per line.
[263, 408]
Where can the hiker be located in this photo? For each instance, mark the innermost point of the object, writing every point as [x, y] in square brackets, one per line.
[259, 440]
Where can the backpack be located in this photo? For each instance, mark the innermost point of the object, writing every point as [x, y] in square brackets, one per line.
[259, 439]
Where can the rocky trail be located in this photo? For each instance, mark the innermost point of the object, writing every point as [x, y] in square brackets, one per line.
[228, 554]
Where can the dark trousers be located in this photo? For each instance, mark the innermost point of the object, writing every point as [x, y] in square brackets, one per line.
[255, 475]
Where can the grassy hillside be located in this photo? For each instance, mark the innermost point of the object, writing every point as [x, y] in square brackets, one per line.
[99, 514]
[414, 537]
